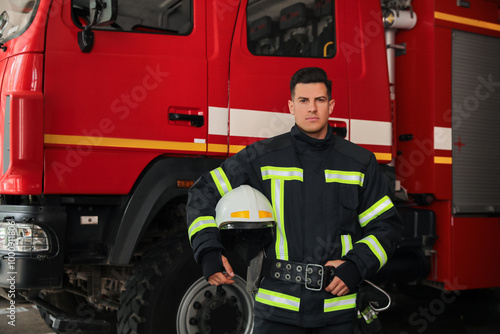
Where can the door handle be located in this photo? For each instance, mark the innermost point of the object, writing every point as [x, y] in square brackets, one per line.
[339, 128]
[196, 120]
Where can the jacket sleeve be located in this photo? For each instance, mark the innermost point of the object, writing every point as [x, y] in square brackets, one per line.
[202, 200]
[381, 226]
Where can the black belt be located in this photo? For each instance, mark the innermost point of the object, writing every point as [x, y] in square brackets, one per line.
[315, 277]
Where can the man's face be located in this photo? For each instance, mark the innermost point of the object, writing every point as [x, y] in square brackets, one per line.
[311, 109]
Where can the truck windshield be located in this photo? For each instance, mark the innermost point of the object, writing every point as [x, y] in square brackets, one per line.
[15, 17]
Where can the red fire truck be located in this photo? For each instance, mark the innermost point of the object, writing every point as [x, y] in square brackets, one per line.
[111, 109]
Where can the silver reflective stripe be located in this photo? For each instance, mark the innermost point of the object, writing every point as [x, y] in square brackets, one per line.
[346, 243]
[340, 303]
[199, 224]
[221, 181]
[281, 247]
[282, 173]
[372, 242]
[277, 299]
[375, 210]
[6, 135]
[339, 176]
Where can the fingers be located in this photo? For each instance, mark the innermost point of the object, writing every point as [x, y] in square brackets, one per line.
[220, 278]
[334, 263]
[337, 287]
[340, 291]
[227, 266]
[223, 278]
[333, 284]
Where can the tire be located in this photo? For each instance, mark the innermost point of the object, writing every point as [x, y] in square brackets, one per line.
[167, 294]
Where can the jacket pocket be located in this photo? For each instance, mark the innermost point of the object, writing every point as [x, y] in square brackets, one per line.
[348, 200]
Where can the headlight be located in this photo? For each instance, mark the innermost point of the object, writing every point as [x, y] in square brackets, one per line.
[22, 237]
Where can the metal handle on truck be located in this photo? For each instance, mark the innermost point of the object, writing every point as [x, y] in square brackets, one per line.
[196, 120]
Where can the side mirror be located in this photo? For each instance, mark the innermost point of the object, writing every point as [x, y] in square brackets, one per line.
[102, 13]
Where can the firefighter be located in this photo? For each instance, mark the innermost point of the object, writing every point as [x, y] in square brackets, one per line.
[336, 224]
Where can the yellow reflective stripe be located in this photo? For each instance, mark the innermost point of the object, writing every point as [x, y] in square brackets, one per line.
[372, 242]
[340, 303]
[277, 299]
[265, 214]
[217, 148]
[282, 173]
[339, 176]
[278, 176]
[383, 156]
[346, 243]
[467, 21]
[277, 190]
[123, 143]
[221, 181]
[443, 160]
[233, 149]
[375, 210]
[240, 214]
[199, 224]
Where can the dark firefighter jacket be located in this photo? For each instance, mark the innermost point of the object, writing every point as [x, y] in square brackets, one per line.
[330, 199]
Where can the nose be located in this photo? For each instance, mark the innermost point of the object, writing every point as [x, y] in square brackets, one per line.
[312, 106]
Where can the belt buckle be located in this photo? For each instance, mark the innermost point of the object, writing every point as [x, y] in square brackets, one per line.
[307, 278]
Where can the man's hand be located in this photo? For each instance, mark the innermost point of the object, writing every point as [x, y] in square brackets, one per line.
[337, 287]
[222, 278]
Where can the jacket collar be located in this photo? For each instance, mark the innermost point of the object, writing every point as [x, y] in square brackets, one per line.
[304, 142]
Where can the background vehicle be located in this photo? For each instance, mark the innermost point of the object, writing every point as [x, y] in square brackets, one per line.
[110, 113]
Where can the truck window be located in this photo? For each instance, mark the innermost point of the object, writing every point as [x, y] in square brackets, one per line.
[146, 16]
[289, 28]
[15, 17]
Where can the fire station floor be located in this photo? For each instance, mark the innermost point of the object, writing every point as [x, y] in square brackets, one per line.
[421, 309]
[416, 310]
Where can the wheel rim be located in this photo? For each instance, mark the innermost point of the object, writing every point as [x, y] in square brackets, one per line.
[203, 311]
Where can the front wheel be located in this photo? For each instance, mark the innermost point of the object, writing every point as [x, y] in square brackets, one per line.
[165, 294]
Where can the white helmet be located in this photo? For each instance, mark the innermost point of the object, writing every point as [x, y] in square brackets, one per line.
[244, 208]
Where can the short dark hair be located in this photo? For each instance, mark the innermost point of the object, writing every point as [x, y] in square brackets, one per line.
[311, 75]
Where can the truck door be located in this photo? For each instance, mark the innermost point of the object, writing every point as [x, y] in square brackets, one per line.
[273, 39]
[139, 93]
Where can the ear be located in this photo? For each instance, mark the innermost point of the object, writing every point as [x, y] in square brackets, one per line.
[291, 107]
[331, 105]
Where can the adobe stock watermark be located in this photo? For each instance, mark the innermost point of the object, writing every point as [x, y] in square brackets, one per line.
[120, 108]
[363, 37]
[12, 273]
[408, 164]
[225, 7]
[421, 318]
[279, 123]
[471, 103]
